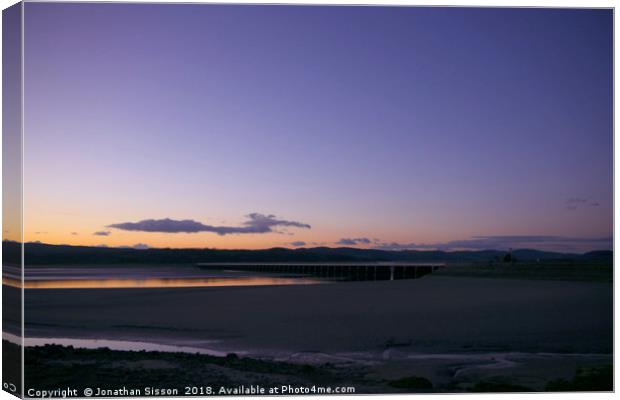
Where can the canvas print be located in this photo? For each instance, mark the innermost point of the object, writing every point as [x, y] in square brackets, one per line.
[229, 199]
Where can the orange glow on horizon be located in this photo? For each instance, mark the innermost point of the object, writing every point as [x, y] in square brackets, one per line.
[155, 283]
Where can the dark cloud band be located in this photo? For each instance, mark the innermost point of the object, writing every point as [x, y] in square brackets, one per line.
[256, 223]
[556, 243]
[353, 241]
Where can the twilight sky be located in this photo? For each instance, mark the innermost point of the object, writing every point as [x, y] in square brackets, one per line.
[260, 126]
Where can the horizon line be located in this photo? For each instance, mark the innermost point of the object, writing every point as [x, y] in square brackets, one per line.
[126, 247]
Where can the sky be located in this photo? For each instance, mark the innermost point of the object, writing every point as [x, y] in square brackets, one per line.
[221, 126]
[11, 122]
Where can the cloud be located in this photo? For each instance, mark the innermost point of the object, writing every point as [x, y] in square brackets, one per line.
[540, 242]
[255, 223]
[74, 233]
[102, 233]
[573, 203]
[298, 243]
[394, 246]
[354, 241]
[138, 246]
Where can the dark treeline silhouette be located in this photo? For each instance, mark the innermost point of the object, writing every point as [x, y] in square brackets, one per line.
[39, 254]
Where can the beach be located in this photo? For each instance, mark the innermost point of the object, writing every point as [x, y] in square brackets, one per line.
[443, 328]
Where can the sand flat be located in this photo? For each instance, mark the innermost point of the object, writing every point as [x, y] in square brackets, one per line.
[433, 314]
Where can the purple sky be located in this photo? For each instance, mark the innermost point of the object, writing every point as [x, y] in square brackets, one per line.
[411, 127]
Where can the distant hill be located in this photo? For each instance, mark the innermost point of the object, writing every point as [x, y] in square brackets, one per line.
[39, 253]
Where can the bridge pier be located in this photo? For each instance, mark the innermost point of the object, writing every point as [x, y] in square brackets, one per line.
[336, 271]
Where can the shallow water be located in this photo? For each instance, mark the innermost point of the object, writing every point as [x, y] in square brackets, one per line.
[108, 277]
[122, 345]
[157, 283]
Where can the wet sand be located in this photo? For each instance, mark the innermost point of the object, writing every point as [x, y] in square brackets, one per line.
[429, 314]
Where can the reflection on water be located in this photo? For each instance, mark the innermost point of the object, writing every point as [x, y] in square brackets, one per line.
[123, 345]
[143, 276]
[156, 282]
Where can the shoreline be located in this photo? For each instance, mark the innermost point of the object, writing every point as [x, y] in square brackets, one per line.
[111, 369]
[355, 357]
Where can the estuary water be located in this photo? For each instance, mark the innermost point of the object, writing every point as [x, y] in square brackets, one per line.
[141, 276]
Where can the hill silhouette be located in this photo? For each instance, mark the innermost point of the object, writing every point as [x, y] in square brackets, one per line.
[40, 253]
